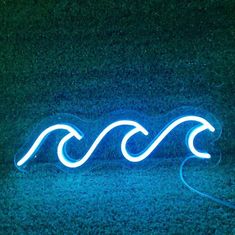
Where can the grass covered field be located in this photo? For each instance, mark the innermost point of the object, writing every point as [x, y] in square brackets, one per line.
[89, 58]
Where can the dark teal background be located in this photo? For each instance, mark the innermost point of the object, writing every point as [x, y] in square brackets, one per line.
[89, 58]
[93, 57]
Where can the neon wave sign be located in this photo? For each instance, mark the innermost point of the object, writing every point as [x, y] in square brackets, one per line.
[73, 133]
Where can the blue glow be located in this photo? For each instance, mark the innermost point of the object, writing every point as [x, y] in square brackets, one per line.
[205, 125]
[137, 128]
[62, 153]
[41, 138]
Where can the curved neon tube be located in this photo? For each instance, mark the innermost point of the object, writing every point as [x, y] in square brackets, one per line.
[62, 153]
[140, 157]
[33, 150]
[65, 160]
[191, 138]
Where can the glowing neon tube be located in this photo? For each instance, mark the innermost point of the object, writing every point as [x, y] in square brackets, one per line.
[140, 157]
[137, 128]
[62, 153]
[41, 138]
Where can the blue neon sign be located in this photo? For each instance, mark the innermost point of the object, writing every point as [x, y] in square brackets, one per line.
[74, 132]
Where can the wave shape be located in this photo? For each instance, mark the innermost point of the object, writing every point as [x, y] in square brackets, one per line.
[137, 128]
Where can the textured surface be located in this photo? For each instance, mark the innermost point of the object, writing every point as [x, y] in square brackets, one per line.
[91, 57]
[108, 198]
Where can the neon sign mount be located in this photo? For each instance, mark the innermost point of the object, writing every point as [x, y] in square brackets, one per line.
[137, 128]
